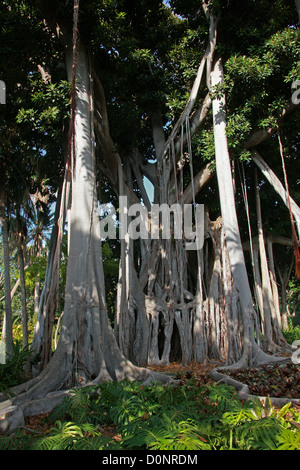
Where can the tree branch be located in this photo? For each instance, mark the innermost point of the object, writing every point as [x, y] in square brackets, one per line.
[48, 9]
[45, 73]
[200, 180]
[158, 134]
[276, 184]
[197, 119]
[261, 135]
[139, 179]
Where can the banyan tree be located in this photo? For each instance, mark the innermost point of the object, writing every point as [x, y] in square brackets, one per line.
[183, 295]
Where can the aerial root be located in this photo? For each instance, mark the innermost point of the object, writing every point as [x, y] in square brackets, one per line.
[244, 391]
[44, 395]
[259, 359]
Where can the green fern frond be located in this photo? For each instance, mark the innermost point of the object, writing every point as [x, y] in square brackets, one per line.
[223, 395]
[289, 439]
[125, 411]
[165, 432]
[259, 434]
[68, 435]
[240, 412]
[16, 441]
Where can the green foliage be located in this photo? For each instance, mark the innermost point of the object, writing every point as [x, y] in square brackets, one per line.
[258, 84]
[292, 334]
[70, 436]
[188, 416]
[16, 441]
[293, 299]
[12, 372]
[50, 105]
[165, 431]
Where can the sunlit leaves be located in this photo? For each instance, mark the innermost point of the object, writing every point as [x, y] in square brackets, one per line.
[50, 106]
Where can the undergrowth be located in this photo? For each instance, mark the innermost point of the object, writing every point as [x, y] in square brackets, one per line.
[12, 371]
[191, 416]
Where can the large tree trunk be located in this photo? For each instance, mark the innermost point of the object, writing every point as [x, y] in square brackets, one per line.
[251, 351]
[87, 351]
[160, 315]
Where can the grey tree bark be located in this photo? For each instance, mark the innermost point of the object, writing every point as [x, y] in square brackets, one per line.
[87, 351]
[277, 185]
[251, 352]
[272, 331]
[23, 295]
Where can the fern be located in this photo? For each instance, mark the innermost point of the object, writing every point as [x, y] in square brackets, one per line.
[289, 440]
[69, 436]
[241, 412]
[223, 395]
[16, 441]
[127, 410]
[81, 406]
[260, 434]
[165, 432]
[12, 371]
[159, 417]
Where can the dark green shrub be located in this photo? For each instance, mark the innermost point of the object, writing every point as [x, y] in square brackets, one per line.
[12, 372]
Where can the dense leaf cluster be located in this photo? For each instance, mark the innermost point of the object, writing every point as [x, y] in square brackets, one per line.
[189, 416]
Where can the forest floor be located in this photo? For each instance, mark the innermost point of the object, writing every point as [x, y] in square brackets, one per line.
[277, 380]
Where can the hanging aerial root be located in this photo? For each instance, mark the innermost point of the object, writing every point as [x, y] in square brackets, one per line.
[71, 132]
[294, 233]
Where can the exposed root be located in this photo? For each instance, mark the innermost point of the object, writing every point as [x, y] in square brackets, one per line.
[244, 392]
[40, 395]
[258, 359]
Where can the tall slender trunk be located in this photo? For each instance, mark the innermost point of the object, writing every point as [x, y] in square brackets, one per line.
[23, 295]
[12, 293]
[297, 2]
[271, 327]
[284, 277]
[8, 309]
[231, 227]
[277, 185]
[274, 282]
[257, 284]
[42, 339]
[36, 297]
